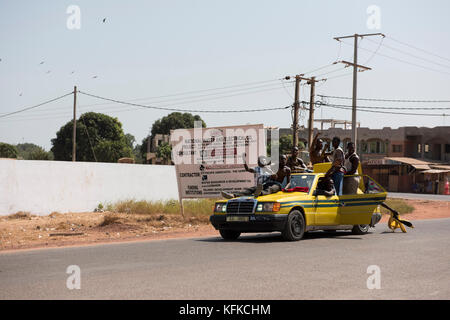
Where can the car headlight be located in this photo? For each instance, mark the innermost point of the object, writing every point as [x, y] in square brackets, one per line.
[268, 207]
[220, 207]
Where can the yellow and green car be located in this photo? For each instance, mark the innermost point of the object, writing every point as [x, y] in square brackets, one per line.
[301, 208]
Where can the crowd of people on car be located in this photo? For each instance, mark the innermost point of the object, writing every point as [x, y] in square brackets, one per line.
[267, 181]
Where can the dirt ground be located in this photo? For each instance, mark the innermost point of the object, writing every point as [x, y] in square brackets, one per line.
[25, 231]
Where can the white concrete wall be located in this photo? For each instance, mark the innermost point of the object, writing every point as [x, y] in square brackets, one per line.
[42, 187]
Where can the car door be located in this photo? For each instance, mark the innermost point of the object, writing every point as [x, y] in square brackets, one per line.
[358, 208]
[325, 208]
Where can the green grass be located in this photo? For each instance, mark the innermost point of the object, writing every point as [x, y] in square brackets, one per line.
[398, 204]
[192, 207]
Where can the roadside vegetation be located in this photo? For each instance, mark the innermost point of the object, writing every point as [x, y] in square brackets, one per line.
[400, 205]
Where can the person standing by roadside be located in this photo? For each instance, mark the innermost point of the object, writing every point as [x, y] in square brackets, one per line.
[351, 166]
[337, 169]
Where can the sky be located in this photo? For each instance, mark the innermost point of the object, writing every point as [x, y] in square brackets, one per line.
[148, 49]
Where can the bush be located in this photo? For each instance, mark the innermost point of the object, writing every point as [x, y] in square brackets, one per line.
[8, 151]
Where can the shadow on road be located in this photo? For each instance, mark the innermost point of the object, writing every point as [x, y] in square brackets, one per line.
[276, 237]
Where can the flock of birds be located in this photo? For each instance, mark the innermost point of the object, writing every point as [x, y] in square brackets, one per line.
[49, 71]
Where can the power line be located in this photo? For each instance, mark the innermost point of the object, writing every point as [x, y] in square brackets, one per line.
[210, 89]
[386, 100]
[278, 87]
[412, 55]
[401, 60]
[35, 106]
[419, 49]
[182, 110]
[90, 143]
[365, 109]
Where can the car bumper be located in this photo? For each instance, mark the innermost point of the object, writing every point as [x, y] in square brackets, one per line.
[256, 223]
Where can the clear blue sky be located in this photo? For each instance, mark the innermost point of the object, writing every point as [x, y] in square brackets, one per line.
[155, 48]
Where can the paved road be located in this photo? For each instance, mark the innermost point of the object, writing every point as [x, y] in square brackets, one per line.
[415, 265]
[419, 196]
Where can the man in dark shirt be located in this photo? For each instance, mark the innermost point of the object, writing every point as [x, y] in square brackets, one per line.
[296, 163]
[325, 187]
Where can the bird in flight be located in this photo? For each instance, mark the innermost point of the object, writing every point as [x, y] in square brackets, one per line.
[94, 77]
[104, 20]
[42, 62]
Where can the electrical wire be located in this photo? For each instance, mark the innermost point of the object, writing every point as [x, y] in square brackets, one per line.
[412, 55]
[419, 49]
[400, 60]
[386, 100]
[181, 110]
[35, 106]
[90, 143]
[365, 109]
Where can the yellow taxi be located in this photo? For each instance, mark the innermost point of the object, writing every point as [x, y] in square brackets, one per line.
[301, 208]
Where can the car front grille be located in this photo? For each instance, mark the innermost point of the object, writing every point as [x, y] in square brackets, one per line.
[240, 206]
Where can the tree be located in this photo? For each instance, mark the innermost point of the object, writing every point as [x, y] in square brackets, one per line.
[164, 151]
[31, 151]
[98, 135]
[285, 145]
[175, 120]
[130, 139]
[111, 151]
[8, 150]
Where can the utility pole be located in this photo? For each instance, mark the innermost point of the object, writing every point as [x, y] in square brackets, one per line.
[74, 136]
[312, 82]
[355, 74]
[296, 107]
[295, 126]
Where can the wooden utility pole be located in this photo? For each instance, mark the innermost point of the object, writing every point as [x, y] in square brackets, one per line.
[295, 126]
[312, 82]
[355, 75]
[74, 136]
[296, 108]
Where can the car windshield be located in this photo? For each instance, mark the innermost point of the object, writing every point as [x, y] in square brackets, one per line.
[300, 180]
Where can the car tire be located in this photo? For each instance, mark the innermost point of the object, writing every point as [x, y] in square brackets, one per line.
[295, 226]
[360, 229]
[229, 234]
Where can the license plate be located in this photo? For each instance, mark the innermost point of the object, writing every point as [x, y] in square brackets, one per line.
[236, 218]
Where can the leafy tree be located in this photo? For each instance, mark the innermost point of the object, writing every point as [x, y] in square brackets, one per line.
[31, 151]
[8, 150]
[111, 151]
[130, 139]
[175, 120]
[164, 151]
[285, 145]
[96, 133]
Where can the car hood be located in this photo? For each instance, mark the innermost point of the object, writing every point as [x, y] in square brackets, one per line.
[284, 196]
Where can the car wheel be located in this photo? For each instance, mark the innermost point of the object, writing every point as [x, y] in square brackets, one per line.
[229, 234]
[360, 229]
[295, 226]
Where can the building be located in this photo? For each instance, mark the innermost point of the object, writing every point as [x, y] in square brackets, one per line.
[406, 159]
[152, 146]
